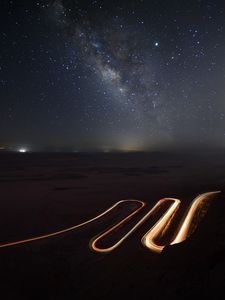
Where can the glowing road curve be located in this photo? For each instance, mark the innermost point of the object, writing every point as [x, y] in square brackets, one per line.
[149, 240]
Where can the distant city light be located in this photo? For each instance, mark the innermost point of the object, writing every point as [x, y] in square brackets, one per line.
[106, 150]
[22, 150]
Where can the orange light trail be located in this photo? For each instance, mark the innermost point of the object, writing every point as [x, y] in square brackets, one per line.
[185, 225]
[109, 249]
[149, 239]
[45, 236]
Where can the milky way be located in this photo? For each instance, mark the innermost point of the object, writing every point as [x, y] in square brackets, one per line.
[120, 75]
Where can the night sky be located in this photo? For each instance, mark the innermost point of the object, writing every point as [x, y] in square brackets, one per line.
[112, 75]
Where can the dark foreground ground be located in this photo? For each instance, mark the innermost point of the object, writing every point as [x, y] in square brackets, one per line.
[41, 193]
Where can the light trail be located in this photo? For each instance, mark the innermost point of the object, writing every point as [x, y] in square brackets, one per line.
[94, 241]
[45, 236]
[149, 239]
[186, 224]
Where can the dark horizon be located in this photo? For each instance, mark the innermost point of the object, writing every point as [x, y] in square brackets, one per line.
[71, 150]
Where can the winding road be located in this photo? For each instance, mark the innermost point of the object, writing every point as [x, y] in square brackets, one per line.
[149, 239]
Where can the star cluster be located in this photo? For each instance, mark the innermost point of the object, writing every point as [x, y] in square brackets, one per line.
[120, 75]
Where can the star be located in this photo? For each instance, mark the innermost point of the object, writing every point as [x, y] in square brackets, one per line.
[139, 64]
